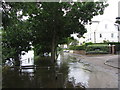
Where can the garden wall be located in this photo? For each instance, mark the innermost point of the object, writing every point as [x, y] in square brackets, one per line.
[83, 52]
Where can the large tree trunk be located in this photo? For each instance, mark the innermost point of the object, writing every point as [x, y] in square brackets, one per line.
[17, 60]
[56, 54]
[53, 49]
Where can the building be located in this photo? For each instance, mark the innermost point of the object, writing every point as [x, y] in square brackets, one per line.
[100, 31]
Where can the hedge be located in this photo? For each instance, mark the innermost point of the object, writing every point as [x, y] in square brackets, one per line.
[97, 52]
[97, 49]
[82, 47]
[88, 43]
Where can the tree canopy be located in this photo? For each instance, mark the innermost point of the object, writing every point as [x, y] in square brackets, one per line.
[47, 23]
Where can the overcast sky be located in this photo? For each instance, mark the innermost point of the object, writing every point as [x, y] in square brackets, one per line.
[111, 12]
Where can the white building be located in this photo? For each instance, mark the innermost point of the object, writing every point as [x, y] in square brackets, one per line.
[100, 31]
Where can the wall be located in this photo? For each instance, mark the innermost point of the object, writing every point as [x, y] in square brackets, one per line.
[104, 27]
[79, 52]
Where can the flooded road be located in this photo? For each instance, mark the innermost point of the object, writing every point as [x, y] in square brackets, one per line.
[69, 72]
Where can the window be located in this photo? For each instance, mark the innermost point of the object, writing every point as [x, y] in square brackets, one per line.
[100, 35]
[112, 35]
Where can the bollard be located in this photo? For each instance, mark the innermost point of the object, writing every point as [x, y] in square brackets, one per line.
[113, 49]
[110, 49]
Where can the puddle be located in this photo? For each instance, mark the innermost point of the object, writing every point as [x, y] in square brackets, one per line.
[69, 72]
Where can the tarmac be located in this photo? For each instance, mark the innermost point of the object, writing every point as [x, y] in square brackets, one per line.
[109, 62]
[114, 62]
[102, 65]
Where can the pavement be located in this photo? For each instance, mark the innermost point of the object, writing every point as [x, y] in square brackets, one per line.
[113, 62]
[104, 68]
[103, 61]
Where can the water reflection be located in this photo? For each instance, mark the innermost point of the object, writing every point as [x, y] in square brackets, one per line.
[76, 75]
[65, 74]
[79, 75]
[68, 72]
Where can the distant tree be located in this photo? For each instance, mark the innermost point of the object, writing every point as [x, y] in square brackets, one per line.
[74, 42]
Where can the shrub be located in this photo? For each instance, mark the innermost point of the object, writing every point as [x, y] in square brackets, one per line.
[88, 43]
[97, 49]
[59, 49]
[42, 61]
[82, 47]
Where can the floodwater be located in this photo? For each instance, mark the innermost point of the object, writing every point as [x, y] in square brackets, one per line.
[68, 72]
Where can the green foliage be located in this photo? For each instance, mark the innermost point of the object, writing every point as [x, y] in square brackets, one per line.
[41, 49]
[74, 42]
[67, 40]
[16, 33]
[97, 49]
[114, 43]
[42, 61]
[15, 40]
[59, 49]
[47, 26]
[105, 41]
[82, 47]
[97, 52]
[86, 44]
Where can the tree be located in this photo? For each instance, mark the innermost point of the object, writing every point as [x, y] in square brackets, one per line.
[74, 42]
[15, 34]
[15, 40]
[55, 24]
[48, 23]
